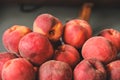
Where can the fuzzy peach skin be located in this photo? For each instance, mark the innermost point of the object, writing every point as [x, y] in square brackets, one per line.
[49, 26]
[113, 35]
[18, 69]
[76, 32]
[68, 54]
[100, 48]
[12, 36]
[89, 69]
[36, 48]
[55, 70]
[4, 57]
[113, 70]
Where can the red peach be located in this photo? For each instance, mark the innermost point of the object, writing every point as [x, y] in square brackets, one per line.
[68, 54]
[76, 32]
[113, 70]
[89, 69]
[4, 57]
[100, 48]
[18, 69]
[12, 36]
[36, 48]
[112, 35]
[55, 70]
[49, 26]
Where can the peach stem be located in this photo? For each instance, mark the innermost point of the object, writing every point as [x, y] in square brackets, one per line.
[86, 11]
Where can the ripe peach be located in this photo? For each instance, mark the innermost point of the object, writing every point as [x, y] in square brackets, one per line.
[4, 57]
[49, 26]
[89, 69]
[36, 48]
[55, 70]
[77, 30]
[113, 70]
[18, 69]
[68, 54]
[12, 36]
[100, 48]
[112, 35]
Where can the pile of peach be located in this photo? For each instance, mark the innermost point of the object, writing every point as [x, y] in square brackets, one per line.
[53, 51]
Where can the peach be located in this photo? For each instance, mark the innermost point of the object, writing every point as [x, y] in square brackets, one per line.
[113, 70]
[36, 48]
[4, 57]
[112, 35]
[68, 54]
[18, 69]
[89, 69]
[55, 70]
[100, 48]
[49, 26]
[76, 32]
[12, 36]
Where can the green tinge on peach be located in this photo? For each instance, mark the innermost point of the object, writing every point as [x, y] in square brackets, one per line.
[36, 48]
[12, 36]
